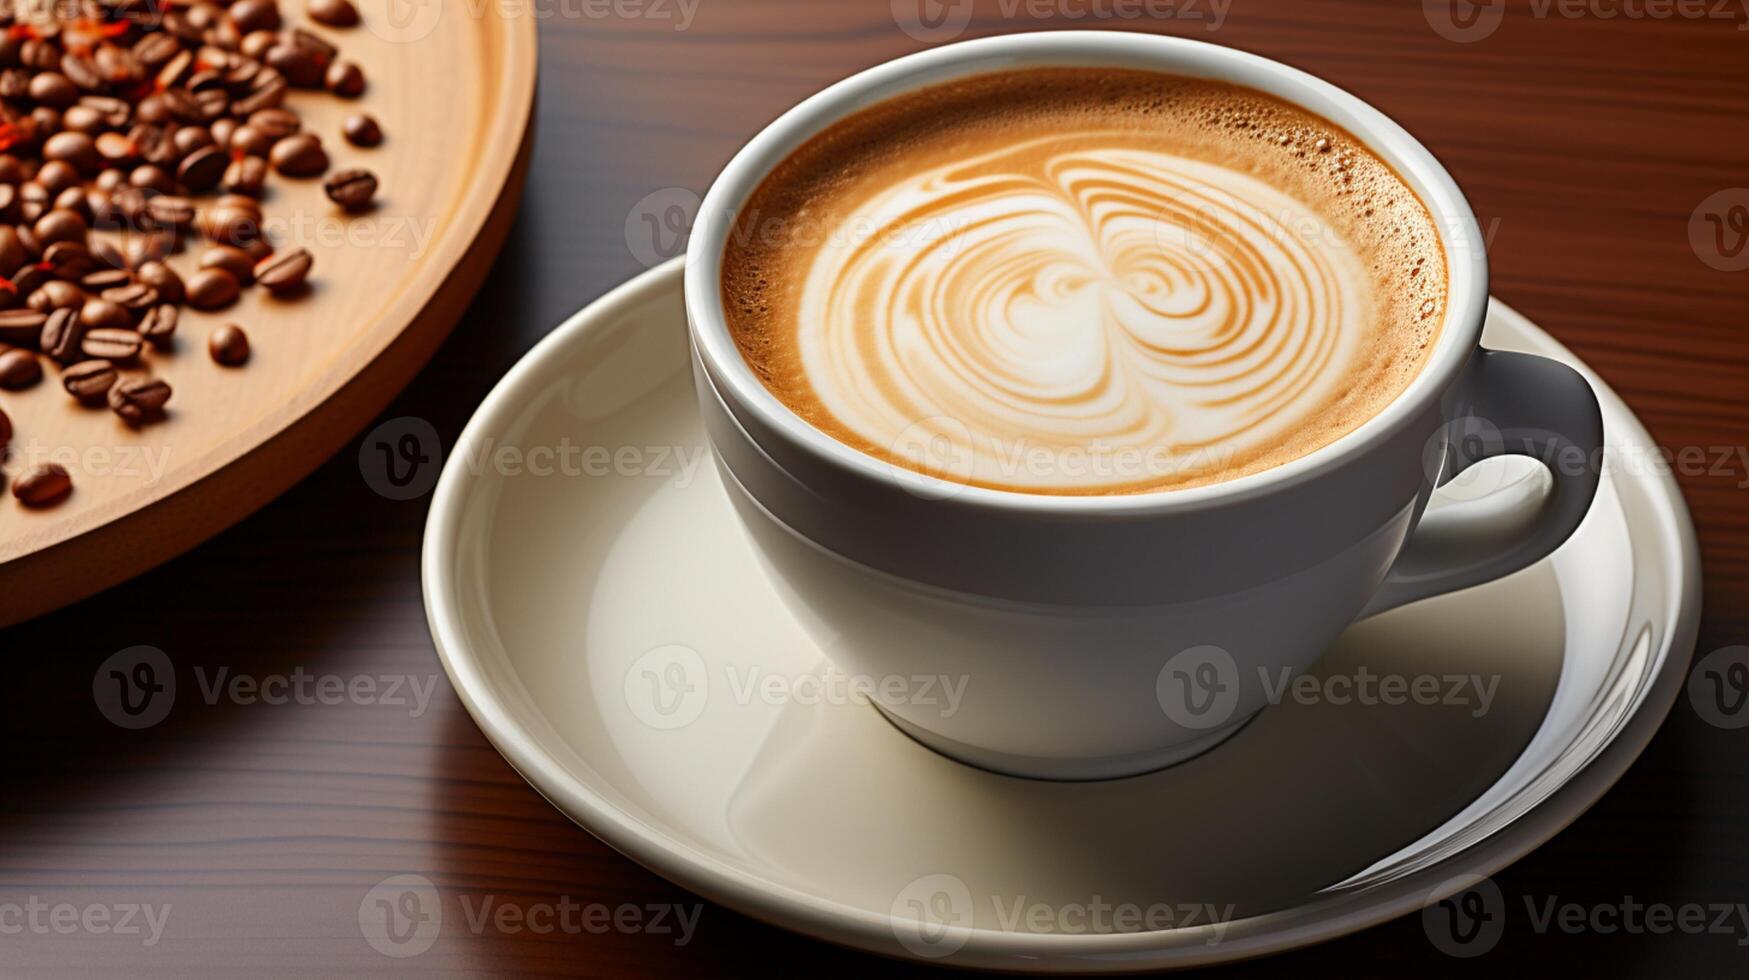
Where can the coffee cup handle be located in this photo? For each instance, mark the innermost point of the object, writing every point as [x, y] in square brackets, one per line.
[1508, 404]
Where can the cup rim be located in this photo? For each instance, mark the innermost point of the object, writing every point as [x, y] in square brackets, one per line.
[739, 387]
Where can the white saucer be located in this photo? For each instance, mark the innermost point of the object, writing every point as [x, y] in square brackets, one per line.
[605, 630]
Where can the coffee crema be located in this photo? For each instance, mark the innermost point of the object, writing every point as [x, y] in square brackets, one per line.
[1084, 281]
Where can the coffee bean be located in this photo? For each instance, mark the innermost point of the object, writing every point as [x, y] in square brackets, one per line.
[151, 246]
[106, 212]
[19, 369]
[256, 43]
[351, 189]
[247, 175]
[212, 289]
[158, 326]
[61, 335]
[299, 155]
[277, 124]
[232, 223]
[250, 141]
[89, 381]
[104, 279]
[268, 91]
[362, 130]
[221, 131]
[42, 485]
[134, 298]
[240, 202]
[83, 119]
[57, 294]
[152, 144]
[119, 66]
[39, 54]
[345, 79]
[213, 102]
[75, 199]
[5, 431]
[137, 400]
[108, 256]
[53, 89]
[26, 281]
[282, 273]
[254, 15]
[75, 149]
[334, 13]
[301, 66]
[118, 345]
[241, 71]
[209, 74]
[22, 328]
[11, 251]
[182, 105]
[182, 24]
[114, 113]
[155, 49]
[170, 211]
[202, 168]
[81, 71]
[229, 345]
[231, 259]
[69, 260]
[47, 120]
[33, 201]
[314, 43]
[163, 279]
[99, 313]
[33, 245]
[151, 177]
[187, 139]
[15, 84]
[60, 225]
[54, 177]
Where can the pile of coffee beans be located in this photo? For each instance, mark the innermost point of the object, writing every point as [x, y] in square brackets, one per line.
[128, 128]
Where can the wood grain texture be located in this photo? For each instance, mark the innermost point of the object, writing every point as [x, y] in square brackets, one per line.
[1585, 145]
[387, 287]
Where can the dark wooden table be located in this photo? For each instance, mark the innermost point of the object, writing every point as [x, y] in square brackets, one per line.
[1586, 144]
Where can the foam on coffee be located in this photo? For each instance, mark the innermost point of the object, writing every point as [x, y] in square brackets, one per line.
[1084, 281]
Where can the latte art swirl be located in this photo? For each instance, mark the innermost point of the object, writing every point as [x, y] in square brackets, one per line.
[1071, 300]
[1080, 281]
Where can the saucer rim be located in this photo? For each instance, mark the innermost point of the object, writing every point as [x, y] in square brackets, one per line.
[1321, 918]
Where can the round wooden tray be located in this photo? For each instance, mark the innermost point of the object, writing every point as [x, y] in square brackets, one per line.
[453, 86]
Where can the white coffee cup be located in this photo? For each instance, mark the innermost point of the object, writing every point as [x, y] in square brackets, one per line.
[1102, 636]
